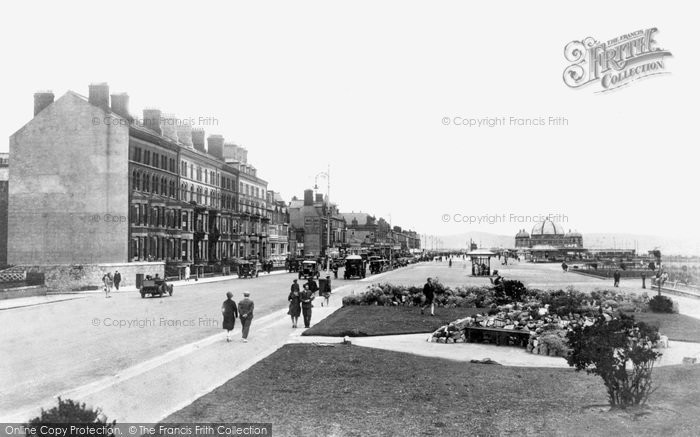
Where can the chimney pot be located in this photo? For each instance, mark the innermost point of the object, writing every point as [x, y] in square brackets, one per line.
[198, 135]
[215, 145]
[99, 95]
[42, 99]
[308, 197]
[120, 105]
[151, 120]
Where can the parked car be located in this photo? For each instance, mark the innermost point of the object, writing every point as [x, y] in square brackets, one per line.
[247, 269]
[155, 287]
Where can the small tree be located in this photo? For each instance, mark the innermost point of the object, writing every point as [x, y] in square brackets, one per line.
[69, 412]
[509, 291]
[606, 348]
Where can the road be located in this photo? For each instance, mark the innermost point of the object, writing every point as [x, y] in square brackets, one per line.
[49, 349]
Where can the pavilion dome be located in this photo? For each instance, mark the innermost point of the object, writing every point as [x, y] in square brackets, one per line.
[522, 234]
[573, 234]
[547, 227]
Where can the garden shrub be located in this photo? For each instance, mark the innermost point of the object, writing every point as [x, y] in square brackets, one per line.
[69, 412]
[661, 304]
[608, 348]
[556, 345]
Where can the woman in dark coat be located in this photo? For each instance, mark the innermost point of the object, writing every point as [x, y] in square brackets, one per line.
[294, 303]
[230, 312]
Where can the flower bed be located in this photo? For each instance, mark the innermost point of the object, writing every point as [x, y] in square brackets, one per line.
[547, 316]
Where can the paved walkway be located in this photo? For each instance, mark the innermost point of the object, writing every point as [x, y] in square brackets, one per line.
[506, 355]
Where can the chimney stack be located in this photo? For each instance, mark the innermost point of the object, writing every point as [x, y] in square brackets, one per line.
[120, 105]
[230, 151]
[151, 120]
[42, 99]
[198, 139]
[308, 197]
[184, 134]
[215, 145]
[168, 127]
[99, 95]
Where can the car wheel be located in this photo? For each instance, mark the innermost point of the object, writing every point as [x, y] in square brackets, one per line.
[143, 295]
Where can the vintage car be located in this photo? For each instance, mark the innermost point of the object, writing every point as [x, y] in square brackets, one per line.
[376, 265]
[354, 267]
[155, 287]
[247, 269]
[292, 264]
[309, 269]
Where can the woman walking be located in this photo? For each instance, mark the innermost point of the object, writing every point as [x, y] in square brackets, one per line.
[107, 280]
[294, 299]
[230, 312]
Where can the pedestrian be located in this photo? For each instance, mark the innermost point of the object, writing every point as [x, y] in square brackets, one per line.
[117, 279]
[616, 278]
[564, 266]
[306, 297]
[644, 280]
[245, 310]
[294, 299]
[230, 312]
[313, 286]
[326, 292]
[108, 281]
[187, 273]
[450, 263]
[429, 294]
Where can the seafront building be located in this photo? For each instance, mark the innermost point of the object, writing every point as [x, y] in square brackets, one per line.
[93, 190]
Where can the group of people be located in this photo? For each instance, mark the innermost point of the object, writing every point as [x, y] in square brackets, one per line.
[111, 280]
[300, 300]
[231, 311]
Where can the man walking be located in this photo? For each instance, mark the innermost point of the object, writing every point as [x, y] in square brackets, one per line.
[616, 278]
[313, 286]
[306, 297]
[117, 279]
[429, 295]
[326, 292]
[245, 310]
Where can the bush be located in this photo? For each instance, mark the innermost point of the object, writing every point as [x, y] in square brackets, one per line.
[509, 292]
[70, 412]
[556, 345]
[607, 347]
[661, 304]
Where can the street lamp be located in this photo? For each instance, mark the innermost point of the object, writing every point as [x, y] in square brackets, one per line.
[327, 175]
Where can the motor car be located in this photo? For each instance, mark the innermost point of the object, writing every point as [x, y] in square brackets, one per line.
[155, 287]
[247, 269]
[309, 269]
[354, 267]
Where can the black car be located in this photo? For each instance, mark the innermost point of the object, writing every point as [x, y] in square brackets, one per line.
[354, 267]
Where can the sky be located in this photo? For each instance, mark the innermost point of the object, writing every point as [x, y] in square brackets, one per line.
[363, 87]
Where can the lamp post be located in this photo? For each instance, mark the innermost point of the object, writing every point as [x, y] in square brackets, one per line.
[327, 175]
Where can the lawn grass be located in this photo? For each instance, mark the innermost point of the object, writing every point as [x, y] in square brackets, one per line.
[677, 327]
[368, 320]
[343, 390]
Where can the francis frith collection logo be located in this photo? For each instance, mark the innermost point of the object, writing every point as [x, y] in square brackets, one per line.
[614, 63]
